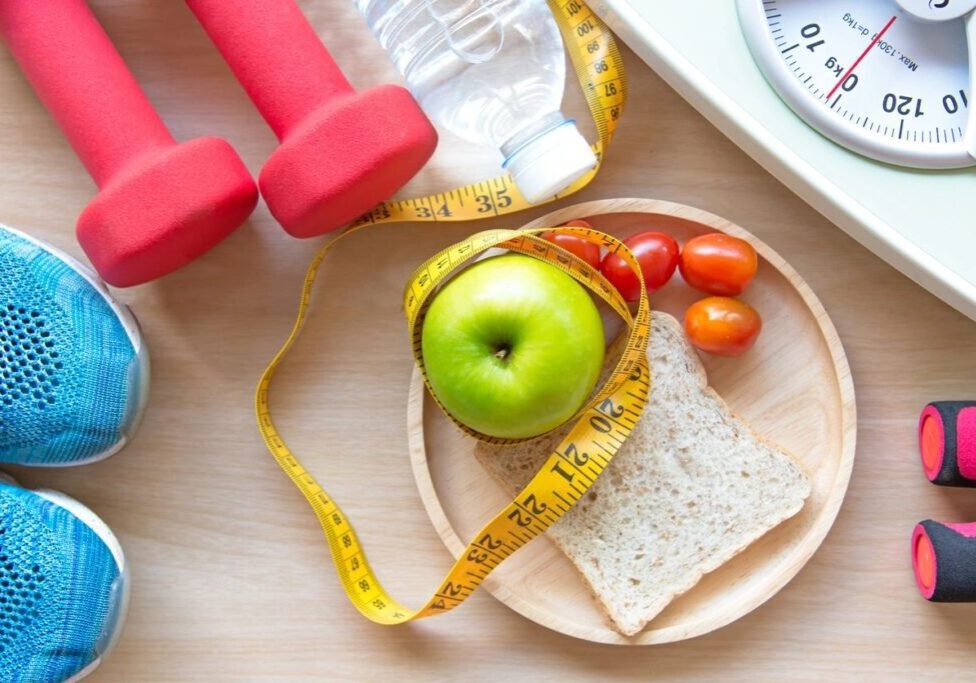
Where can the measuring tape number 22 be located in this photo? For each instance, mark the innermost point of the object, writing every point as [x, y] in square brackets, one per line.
[601, 426]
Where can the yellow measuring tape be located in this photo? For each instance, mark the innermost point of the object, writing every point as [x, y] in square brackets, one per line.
[600, 72]
[602, 425]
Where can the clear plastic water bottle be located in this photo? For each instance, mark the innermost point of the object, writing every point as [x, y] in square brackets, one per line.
[492, 72]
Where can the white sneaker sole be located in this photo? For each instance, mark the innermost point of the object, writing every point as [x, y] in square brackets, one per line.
[132, 329]
[120, 608]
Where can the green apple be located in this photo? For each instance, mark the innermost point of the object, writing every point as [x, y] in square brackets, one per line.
[513, 346]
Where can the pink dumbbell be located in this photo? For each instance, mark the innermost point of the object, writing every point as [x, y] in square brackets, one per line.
[160, 204]
[341, 152]
[947, 442]
[944, 553]
[944, 560]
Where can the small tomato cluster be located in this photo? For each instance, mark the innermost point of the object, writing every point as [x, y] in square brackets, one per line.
[714, 263]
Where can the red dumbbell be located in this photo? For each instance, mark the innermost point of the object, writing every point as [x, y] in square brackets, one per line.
[160, 204]
[341, 152]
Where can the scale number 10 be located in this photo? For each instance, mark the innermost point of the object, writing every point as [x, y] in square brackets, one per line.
[952, 103]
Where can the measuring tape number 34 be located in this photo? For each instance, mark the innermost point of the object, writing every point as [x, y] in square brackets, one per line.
[599, 428]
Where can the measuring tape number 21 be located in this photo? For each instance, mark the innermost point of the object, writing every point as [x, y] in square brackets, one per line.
[601, 426]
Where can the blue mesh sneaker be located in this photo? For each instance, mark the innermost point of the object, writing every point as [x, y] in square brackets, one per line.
[63, 587]
[73, 367]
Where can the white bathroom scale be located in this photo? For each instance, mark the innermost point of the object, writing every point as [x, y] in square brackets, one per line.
[860, 107]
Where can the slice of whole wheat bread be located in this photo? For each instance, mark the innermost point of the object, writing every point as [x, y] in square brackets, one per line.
[691, 488]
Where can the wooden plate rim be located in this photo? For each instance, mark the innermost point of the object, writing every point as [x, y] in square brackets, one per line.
[787, 568]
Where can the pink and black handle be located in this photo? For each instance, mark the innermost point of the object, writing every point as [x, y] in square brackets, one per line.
[161, 203]
[342, 152]
[947, 442]
[944, 553]
[944, 560]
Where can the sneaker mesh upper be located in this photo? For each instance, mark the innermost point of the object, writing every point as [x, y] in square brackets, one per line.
[58, 589]
[66, 362]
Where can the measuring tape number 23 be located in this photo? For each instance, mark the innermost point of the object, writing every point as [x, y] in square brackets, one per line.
[601, 425]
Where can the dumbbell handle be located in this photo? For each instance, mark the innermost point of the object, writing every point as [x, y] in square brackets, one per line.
[285, 83]
[81, 79]
[944, 560]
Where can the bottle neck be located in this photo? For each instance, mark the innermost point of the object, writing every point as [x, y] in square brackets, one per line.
[531, 132]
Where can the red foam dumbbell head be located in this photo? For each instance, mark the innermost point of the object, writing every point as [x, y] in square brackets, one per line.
[341, 152]
[161, 204]
[345, 158]
[165, 210]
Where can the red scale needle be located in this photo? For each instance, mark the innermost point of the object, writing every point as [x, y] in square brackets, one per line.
[863, 55]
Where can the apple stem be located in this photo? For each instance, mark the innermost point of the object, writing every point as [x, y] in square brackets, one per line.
[502, 352]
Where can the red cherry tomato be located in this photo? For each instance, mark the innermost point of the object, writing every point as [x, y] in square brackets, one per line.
[723, 326]
[718, 264]
[582, 248]
[657, 254]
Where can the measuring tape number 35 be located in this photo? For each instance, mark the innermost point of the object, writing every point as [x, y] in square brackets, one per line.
[601, 426]
[600, 71]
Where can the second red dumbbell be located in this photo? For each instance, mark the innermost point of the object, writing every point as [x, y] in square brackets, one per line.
[341, 152]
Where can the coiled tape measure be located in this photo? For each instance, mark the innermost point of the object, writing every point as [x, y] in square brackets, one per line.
[602, 424]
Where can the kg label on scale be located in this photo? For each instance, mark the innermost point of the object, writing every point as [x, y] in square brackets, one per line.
[887, 79]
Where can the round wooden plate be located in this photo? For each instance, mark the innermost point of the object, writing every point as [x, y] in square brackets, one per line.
[794, 387]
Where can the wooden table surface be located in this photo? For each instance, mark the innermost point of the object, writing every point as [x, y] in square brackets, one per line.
[231, 580]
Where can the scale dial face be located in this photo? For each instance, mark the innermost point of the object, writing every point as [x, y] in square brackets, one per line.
[890, 80]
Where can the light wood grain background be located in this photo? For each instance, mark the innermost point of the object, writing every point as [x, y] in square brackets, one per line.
[230, 578]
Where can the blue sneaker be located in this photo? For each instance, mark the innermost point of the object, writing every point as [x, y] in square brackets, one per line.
[73, 367]
[63, 587]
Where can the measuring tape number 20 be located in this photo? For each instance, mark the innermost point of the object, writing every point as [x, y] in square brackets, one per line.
[601, 426]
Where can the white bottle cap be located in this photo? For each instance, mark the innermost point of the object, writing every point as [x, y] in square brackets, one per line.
[551, 162]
